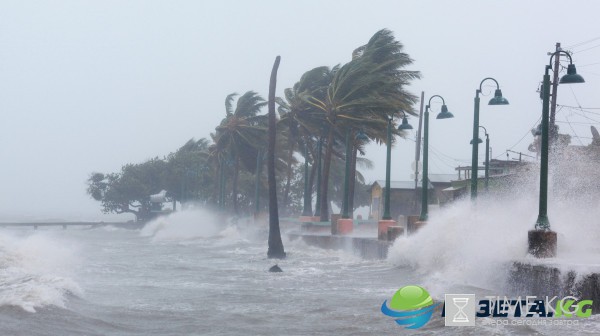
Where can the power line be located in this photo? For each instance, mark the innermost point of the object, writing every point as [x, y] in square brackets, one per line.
[596, 46]
[579, 107]
[581, 66]
[575, 133]
[578, 122]
[574, 96]
[583, 43]
[586, 117]
[526, 133]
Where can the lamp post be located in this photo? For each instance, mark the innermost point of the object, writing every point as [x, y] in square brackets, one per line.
[444, 114]
[487, 157]
[497, 100]
[542, 241]
[386, 220]
[388, 159]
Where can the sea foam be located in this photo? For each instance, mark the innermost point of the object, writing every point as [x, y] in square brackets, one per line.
[33, 271]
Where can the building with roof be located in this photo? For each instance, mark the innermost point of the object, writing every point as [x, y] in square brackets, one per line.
[405, 199]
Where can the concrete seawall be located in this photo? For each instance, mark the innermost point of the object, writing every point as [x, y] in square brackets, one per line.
[523, 278]
[367, 248]
[548, 280]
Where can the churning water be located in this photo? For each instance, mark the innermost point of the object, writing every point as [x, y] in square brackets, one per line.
[189, 274]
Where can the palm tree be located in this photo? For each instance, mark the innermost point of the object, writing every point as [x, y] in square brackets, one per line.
[238, 137]
[364, 92]
[296, 117]
[275, 245]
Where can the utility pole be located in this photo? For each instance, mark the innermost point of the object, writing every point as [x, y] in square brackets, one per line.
[418, 149]
[553, 130]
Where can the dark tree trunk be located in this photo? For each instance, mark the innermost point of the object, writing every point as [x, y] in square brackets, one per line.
[217, 186]
[275, 244]
[234, 192]
[311, 180]
[286, 192]
[325, 178]
[352, 182]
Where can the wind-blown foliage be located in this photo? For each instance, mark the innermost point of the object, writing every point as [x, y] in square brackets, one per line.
[364, 93]
[239, 136]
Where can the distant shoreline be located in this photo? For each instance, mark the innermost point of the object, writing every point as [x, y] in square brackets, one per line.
[124, 225]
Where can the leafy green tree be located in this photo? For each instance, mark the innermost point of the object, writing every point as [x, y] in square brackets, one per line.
[129, 190]
[185, 175]
[189, 176]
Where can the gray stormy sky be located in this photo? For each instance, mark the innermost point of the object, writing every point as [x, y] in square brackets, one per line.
[91, 85]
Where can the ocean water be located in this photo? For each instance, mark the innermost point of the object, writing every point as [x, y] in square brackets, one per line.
[190, 274]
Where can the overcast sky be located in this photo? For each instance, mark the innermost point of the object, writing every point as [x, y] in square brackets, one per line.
[89, 86]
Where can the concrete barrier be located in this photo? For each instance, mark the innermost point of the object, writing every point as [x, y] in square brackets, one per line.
[367, 248]
[394, 232]
[547, 280]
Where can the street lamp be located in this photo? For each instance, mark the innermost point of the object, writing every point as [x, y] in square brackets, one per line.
[403, 126]
[388, 164]
[386, 220]
[497, 100]
[444, 114]
[542, 241]
[487, 156]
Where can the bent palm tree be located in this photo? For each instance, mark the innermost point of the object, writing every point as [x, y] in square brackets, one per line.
[297, 116]
[239, 135]
[364, 93]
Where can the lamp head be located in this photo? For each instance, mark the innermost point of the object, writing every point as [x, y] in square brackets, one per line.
[405, 125]
[478, 141]
[444, 114]
[498, 99]
[361, 136]
[571, 77]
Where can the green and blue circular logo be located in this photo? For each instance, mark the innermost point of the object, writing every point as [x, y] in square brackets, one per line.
[412, 307]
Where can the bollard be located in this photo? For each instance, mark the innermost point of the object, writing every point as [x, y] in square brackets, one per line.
[333, 220]
[394, 232]
[542, 243]
[411, 223]
[344, 226]
[382, 228]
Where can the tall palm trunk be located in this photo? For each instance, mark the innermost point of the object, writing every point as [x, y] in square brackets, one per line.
[325, 177]
[286, 192]
[275, 244]
[236, 174]
[352, 181]
[311, 180]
